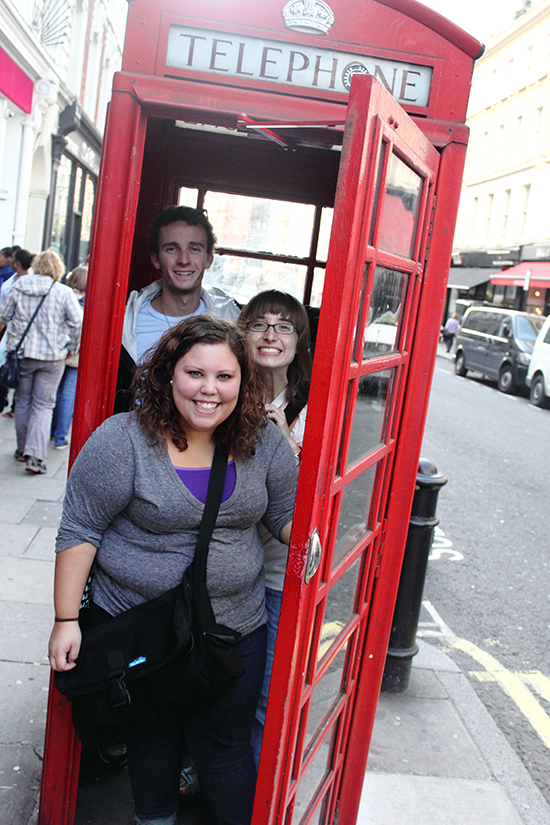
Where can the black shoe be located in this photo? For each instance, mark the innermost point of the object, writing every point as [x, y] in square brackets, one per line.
[19, 456]
[34, 465]
[116, 756]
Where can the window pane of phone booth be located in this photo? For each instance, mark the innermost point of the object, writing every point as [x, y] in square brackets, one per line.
[316, 772]
[400, 208]
[385, 311]
[326, 693]
[369, 417]
[188, 197]
[340, 604]
[245, 277]
[377, 198]
[353, 523]
[261, 224]
[324, 232]
[317, 287]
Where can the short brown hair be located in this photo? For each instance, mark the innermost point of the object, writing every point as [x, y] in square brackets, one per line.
[153, 401]
[78, 278]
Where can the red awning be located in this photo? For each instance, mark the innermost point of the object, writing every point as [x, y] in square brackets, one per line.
[14, 83]
[537, 272]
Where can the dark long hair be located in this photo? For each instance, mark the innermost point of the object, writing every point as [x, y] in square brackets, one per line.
[156, 411]
[281, 303]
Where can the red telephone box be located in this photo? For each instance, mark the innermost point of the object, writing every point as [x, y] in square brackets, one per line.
[356, 104]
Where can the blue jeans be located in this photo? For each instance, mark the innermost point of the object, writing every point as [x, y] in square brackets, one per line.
[64, 406]
[273, 599]
[218, 740]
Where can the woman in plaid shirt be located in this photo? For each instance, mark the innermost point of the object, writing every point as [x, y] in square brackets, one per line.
[53, 335]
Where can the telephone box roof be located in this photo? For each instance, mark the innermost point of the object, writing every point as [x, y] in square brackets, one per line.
[307, 48]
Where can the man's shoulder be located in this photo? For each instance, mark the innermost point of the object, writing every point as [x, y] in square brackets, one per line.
[220, 303]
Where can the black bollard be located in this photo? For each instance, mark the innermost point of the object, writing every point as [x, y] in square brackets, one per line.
[402, 645]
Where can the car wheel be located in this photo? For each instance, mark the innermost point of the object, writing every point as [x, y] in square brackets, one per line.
[506, 379]
[537, 395]
[460, 365]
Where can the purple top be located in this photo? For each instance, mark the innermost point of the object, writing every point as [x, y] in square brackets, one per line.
[196, 480]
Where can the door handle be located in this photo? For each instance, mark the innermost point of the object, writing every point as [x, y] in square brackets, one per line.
[314, 553]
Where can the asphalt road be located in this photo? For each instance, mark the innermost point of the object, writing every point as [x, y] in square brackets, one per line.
[489, 578]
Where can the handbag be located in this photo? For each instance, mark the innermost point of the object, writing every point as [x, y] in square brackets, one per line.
[156, 664]
[9, 371]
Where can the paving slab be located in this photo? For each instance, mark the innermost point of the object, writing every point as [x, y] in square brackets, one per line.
[26, 580]
[397, 799]
[20, 770]
[16, 538]
[25, 631]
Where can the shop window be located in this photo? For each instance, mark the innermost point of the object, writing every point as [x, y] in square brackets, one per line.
[59, 223]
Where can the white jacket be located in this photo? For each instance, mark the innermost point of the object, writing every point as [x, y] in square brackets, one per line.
[216, 301]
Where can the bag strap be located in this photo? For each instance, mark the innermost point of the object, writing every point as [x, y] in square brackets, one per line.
[201, 598]
[35, 313]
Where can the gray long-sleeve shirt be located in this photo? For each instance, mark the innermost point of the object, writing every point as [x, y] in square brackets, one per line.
[124, 497]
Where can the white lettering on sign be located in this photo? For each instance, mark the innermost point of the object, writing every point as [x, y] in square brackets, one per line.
[308, 67]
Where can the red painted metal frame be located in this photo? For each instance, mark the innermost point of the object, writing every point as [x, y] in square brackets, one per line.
[296, 674]
[105, 302]
[138, 95]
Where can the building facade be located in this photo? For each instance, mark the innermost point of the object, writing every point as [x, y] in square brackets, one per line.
[504, 211]
[57, 59]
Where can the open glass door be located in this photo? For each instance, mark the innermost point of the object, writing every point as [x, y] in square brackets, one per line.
[356, 429]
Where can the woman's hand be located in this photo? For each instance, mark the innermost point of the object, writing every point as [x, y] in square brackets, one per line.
[64, 645]
[278, 417]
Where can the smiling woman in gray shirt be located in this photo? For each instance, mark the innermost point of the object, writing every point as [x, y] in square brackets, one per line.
[133, 508]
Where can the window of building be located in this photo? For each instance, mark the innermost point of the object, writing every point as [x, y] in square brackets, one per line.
[519, 132]
[475, 202]
[505, 210]
[525, 194]
[537, 128]
[490, 201]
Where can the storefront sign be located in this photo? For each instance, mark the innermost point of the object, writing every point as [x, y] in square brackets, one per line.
[83, 152]
[221, 53]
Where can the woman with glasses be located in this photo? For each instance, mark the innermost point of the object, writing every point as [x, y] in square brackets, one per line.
[277, 329]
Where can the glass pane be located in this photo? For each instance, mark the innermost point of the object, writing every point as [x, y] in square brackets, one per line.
[87, 215]
[314, 776]
[325, 695]
[340, 604]
[317, 287]
[59, 222]
[383, 150]
[77, 185]
[245, 277]
[369, 418]
[385, 311]
[324, 232]
[188, 197]
[400, 208]
[354, 513]
[261, 224]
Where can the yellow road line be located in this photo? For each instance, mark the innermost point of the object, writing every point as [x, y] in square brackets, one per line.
[540, 682]
[512, 684]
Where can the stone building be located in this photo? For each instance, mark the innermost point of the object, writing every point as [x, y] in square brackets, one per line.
[57, 59]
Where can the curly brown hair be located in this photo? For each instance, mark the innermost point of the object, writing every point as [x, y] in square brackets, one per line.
[153, 402]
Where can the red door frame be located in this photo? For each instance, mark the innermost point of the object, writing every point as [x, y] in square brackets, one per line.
[135, 98]
[283, 738]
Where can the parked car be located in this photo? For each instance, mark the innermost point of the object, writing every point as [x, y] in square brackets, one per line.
[497, 343]
[538, 374]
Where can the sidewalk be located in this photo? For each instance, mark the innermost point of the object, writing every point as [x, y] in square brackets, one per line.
[436, 756]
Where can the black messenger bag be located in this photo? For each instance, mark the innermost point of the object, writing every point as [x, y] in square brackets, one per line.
[154, 665]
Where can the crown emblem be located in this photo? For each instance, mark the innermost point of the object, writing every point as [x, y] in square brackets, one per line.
[308, 15]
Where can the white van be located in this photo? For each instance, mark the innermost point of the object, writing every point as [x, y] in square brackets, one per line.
[538, 374]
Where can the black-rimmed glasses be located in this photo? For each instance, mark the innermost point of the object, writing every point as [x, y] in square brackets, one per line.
[282, 327]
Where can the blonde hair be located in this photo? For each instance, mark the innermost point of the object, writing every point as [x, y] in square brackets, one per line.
[48, 263]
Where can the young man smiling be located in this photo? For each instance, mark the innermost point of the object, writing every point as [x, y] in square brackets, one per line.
[181, 245]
